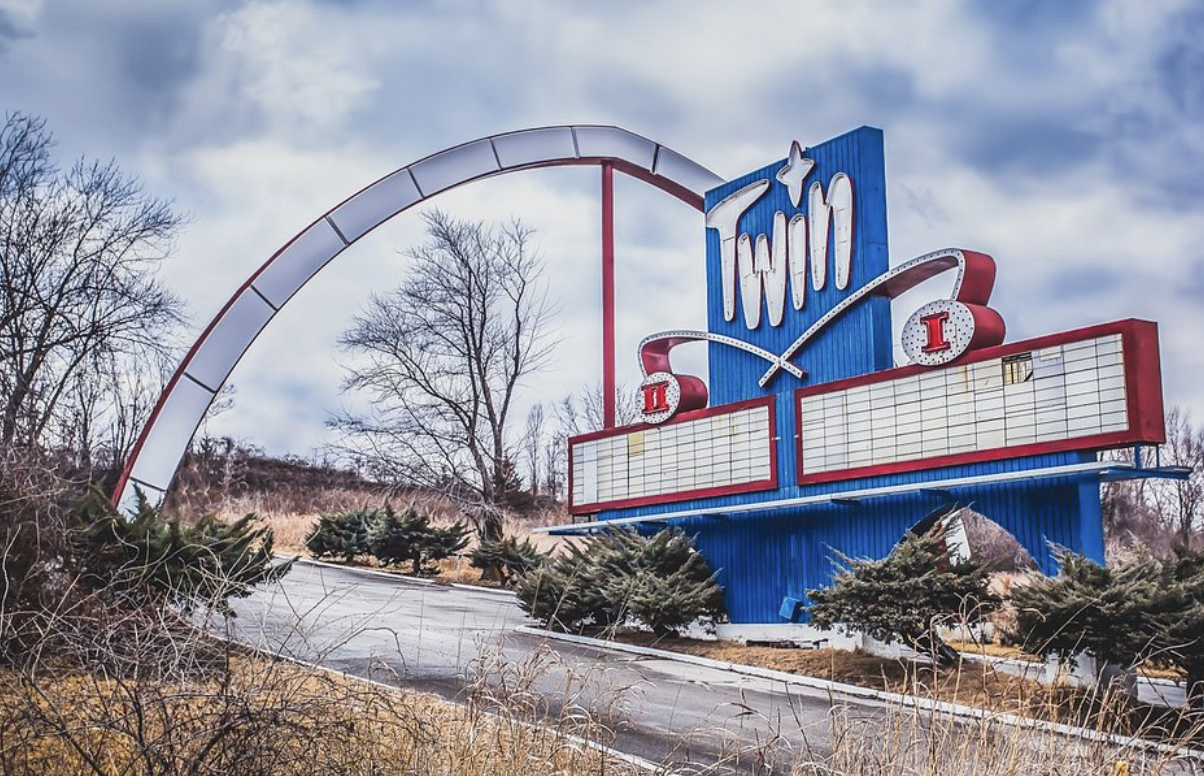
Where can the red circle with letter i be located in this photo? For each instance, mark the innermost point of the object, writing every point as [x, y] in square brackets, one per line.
[938, 332]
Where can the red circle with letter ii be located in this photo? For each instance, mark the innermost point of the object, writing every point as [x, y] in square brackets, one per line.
[660, 396]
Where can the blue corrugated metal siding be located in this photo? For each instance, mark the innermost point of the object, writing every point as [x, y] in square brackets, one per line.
[765, 557]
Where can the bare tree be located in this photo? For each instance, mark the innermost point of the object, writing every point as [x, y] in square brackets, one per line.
[443, 356]
[78, 291]
[1180, 503]
[582, 411]
[555, 462]
[105, 407]
[1162, 513]
[533, 441]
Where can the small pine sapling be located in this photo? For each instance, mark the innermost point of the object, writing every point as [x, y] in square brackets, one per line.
[148, 558]
[660, 581]
[344, 536]
[561, 594]
[513, 559]
[1139, 610]
[669, 584]
[409, 537]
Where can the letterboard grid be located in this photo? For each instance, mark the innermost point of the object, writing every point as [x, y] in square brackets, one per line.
[719, 450]
[1068, 391]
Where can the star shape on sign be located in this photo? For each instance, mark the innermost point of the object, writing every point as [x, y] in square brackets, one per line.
[795, 172]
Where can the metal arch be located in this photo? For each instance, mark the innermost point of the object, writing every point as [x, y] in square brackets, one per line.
[177, 414]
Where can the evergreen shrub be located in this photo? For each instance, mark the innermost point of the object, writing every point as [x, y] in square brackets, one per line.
[343, 536]
[906, 596]
[513, 559]
[147, 558]
[660, 582]
[408, 537]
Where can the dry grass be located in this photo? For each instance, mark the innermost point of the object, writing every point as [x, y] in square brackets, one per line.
[456, 570]
[993, 649]
[974, 684]
[902, 741]
[289, 529]
[265, 717]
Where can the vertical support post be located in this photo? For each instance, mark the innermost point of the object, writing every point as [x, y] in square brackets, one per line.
[1091, 519]
[608, 295]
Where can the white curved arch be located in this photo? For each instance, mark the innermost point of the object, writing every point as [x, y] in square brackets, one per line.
[209, 361]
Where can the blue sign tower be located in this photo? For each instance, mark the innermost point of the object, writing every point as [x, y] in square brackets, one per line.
[807, 438]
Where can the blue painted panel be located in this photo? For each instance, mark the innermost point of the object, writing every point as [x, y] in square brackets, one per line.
[764, 558]
[860, 341]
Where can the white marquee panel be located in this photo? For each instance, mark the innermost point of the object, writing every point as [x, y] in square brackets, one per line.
[722, 450]
[1046, 395]
[178, 419]
[462, 163]
[376, 204]
[689, 173]
[129, 501]
[297, 263]
[612, 142]
[229, 338]
[535, 146]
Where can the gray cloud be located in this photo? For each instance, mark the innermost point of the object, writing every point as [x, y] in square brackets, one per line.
[1002, 143]
[10, 31]
[158, 53]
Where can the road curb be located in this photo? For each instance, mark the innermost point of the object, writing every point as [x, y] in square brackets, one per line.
[1027, 665]
[865, 693]
[403, 577]
[630, 759]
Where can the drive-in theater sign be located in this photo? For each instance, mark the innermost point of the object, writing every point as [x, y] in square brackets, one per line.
[805, 437]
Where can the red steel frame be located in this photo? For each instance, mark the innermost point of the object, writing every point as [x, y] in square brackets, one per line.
[1143, 390]
[724, 490]
[608, 295]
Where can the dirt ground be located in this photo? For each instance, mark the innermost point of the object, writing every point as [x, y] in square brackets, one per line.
[973, 684]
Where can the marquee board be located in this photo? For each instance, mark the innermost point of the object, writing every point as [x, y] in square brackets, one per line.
[706, 453]
[822, 428]
[1091, 389]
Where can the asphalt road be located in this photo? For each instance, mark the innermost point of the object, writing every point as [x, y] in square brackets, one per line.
[460, 643]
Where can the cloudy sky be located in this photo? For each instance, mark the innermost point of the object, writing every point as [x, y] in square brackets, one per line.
[1066, 139]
